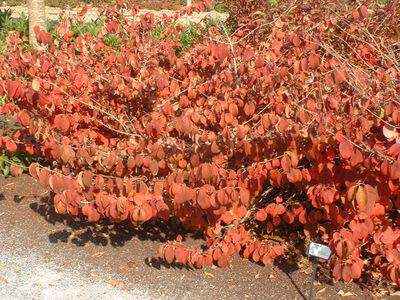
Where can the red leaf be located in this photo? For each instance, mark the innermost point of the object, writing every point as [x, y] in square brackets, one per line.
[15, 170]
[313, 61]
[169, 254]
[33, 170]
[217, 253]
[256, 255]
[340, 76]
[261, 215]
[394, 170]
[356, 158]
[23, 117]
[223, 262]
[249, 108]
[244, 196]
[15, 89]
[346, 273]
[355, 271]
[286, 163]
[278, 250]
[345, 149]
[59, 204]
[337, 271]
[93, 215]
[62, 123]
[226, 217]
[153, 167]
[56, 183]
[364, 11]
[181, 255]
[11, 146]
[356, 15]
[303, 217]
[394, 150]
[143, 189]
[388, 236]
[267, 260]
[44, 175]
[248, 55]
[160, 251]
[202, 199]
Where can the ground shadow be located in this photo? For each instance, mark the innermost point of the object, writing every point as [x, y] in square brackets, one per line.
[160, 263]
[288, 268]
[81, 232]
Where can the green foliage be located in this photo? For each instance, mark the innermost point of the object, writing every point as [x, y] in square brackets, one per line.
[53, 3]
[4, 165]
[8, 160]
[188, 38]
[220, 7]
[112, 41]
[7, 24]
[4, 16]
[273, 2]
[3, 99]
[91, 28]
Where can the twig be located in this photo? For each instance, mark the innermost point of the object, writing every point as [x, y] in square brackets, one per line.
[235, 68]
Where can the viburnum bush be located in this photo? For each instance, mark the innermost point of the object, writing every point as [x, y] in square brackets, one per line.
[261, 137]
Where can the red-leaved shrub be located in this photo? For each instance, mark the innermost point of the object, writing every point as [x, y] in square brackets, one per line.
[283, 131]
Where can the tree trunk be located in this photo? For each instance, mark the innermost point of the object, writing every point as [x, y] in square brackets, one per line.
[36, 12]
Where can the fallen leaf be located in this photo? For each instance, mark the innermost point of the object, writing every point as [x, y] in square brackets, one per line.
[303, 262]
[116, 283]
[379, 294]
[257, 276]
[307, 271]
[2, 266]
[390, 132]
[35, 85]
[123, 268]
[130, 264]
[209, 274]
[346, 294]
[94, 275]
[44, 193]
[271, 275]
[321, 291]
[8, 184]
[98, 254]
[397, 293]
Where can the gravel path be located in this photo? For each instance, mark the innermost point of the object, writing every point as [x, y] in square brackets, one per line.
[32, 277]
[52, 13]
[47, 256]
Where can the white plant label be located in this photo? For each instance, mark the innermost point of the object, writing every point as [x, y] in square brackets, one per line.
[320, 251]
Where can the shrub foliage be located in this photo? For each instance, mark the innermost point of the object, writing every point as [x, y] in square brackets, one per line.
[281, 130]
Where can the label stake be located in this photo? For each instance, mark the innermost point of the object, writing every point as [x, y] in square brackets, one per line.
[314, 276]
[316, 251]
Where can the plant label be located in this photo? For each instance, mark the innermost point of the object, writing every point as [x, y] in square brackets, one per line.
[318, 250]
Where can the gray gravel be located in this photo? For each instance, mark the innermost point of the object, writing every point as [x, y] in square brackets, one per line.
[23, 275]
[47, 256]
[52, 13]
